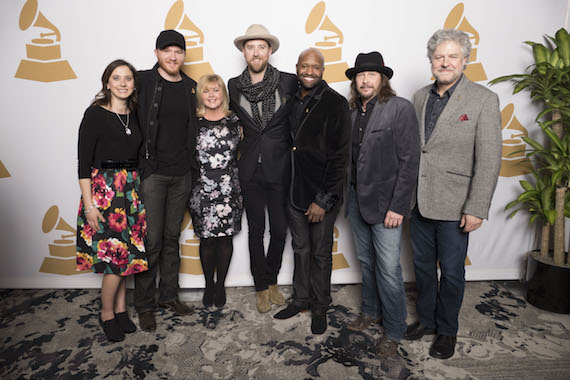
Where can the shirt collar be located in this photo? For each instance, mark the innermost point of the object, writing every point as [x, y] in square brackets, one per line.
[449, 91]
[311, 92]
[371, 103]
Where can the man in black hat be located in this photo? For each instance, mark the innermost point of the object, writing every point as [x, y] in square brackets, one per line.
[382, 174]
[260, 97]
[167, 115]
[321, 133]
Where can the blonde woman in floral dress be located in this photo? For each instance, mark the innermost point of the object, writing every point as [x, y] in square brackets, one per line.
[111, 224]
[216, 203]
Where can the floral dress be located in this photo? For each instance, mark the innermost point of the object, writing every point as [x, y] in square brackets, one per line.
[216, 203]
[118, 247]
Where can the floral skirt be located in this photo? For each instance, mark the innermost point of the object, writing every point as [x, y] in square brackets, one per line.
[118, 246]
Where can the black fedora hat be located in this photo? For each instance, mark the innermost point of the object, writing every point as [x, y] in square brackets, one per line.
[369, 62]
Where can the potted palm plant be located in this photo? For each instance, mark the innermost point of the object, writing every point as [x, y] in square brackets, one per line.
[548, 202]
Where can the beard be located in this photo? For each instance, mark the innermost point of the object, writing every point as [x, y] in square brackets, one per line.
[257, 70]
[366, 97]
[168, 69]
[308, 86]
[441, 79]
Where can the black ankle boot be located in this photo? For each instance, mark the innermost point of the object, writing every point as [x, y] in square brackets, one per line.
[112, 330]
[125, 323]
[220, 296]
[209, 294]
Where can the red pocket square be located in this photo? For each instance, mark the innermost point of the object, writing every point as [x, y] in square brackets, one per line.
[463, 118]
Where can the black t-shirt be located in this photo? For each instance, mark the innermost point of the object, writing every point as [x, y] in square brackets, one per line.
[171, 145]
[103, 137]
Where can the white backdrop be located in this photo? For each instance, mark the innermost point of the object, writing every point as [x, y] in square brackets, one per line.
[39, 193]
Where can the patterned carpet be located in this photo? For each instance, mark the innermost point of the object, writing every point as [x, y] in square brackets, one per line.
[55, 334]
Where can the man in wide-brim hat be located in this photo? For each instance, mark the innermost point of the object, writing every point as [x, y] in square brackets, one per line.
[382, 170]
[260, 97]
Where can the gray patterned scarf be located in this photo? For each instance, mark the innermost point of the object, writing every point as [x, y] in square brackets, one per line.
[263, 92]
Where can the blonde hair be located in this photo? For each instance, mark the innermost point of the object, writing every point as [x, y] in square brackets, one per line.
[203, 82]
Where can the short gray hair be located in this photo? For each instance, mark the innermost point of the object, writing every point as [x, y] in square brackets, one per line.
[444, 35]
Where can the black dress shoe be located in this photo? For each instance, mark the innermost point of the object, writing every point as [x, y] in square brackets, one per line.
[125, 323]
[209, 294]
[177, 307]
[319, 323]
[417, 331]
[147, 321]
[289, 311]
[112, 330]
[443, 347]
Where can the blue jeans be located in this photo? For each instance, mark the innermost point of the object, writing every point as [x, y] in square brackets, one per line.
[432, 241]
[378, 250]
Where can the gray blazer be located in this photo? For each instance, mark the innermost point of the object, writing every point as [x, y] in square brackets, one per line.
[460, 163]
[387, 165]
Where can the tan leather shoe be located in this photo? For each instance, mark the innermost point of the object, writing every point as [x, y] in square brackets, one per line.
[386, 348]
[263, 305]
[362, 322]
[275, 296]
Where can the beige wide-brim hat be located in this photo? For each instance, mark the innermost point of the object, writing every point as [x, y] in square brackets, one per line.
[257, 32]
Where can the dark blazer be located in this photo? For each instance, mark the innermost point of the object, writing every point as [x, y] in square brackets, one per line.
[150, 90]
[460, 163]
[387, 166]
[320, 151]
[273, 143]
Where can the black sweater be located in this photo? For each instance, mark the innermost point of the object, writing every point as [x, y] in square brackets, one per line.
[103, 137]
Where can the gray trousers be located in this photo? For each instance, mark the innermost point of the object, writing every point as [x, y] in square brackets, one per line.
[165, 199]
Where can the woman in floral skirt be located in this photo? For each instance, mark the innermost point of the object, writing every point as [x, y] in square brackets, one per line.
[216, 203]
[111, 224]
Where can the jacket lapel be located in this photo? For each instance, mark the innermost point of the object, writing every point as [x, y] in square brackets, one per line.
[282, 107]
[237, 95]
[376, 112]
[445, 120]
[423, 120]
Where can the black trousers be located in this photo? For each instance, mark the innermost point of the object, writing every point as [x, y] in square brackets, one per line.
[312, 246]
[165, 199]
[257, 195]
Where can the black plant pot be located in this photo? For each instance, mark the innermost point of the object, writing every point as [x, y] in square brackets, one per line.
[548, 286]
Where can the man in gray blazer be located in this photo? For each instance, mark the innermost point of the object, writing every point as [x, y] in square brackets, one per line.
[460, 134]
[382, 174]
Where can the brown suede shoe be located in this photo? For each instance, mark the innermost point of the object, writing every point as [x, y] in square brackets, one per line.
[386, 348]
[362, 322]
[177, 307]
[147, 321]
[263, 305]
[275, 296]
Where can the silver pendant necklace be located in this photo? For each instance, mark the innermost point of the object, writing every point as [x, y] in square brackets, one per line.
[126, 125]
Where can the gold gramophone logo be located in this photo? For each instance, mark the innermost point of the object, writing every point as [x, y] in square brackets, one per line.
[194, 64]
[190, 248]
[4, 173]
[338, 260]
[43, 62]
[331, 44]
[474, 70]
[514, 160]
[61, 259]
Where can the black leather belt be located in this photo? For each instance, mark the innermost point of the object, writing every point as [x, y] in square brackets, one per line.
[113, 164]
